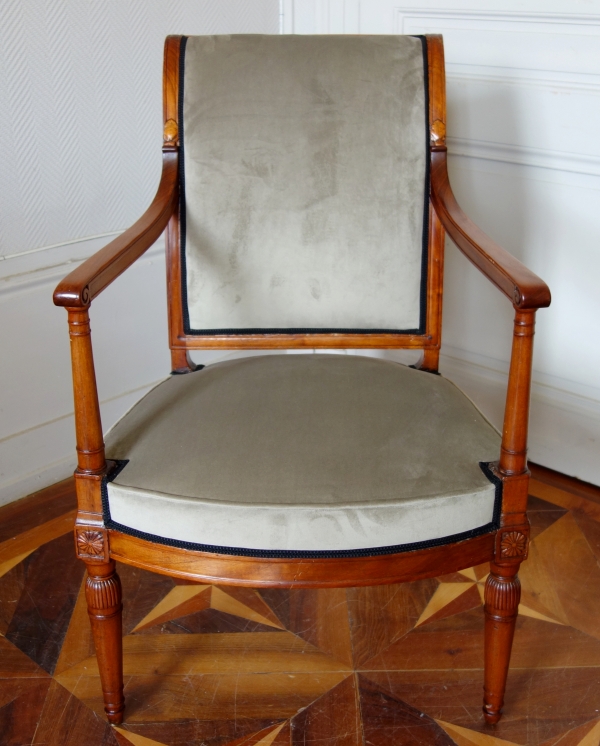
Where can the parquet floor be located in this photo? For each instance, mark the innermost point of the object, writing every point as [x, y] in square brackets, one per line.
[397, 665]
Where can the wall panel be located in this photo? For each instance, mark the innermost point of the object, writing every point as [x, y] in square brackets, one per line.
[523, 115]
[81, 116]
[81, 89]
[81, 113]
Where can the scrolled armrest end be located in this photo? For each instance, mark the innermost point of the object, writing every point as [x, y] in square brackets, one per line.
[71, 297]
[535, 296]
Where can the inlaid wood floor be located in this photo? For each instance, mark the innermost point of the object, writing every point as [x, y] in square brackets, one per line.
[397, 665]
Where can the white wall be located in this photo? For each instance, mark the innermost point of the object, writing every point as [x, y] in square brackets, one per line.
[80, 86]
[523, 83]
[81, 117]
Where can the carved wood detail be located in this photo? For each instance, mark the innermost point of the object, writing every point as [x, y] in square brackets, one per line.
[91, 544]
[512, 544]
[438, 134]
[502, 594]
[171, 134]
[103, 594]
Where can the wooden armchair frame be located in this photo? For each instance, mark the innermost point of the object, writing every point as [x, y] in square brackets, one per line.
[505, 548]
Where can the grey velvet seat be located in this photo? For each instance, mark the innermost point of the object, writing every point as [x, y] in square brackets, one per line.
[326, 454]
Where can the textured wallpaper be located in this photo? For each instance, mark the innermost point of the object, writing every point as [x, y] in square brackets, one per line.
[81, 108]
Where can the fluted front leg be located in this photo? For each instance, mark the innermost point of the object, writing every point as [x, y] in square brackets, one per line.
[502, 596]
[103, 595]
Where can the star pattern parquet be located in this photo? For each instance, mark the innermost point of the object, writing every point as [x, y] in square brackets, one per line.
[218, 666]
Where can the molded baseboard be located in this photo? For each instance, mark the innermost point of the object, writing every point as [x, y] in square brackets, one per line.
[564, 427]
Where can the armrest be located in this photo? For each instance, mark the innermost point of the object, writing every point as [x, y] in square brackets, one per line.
[519, 284]
[89, 279]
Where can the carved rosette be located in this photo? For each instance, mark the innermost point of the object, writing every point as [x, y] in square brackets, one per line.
[90, 543]
[512, 544]
[103, 593]
[502, 594]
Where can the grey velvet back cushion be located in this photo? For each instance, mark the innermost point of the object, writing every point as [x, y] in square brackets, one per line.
[305, 169]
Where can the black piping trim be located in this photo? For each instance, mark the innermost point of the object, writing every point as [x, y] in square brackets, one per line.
[424, 370]
[182, 210]
[299, 330]
[301, 554]
[185, 372]
[421, 330]
[426, 206]
[485, 467]
[119, 465]
[304, 554]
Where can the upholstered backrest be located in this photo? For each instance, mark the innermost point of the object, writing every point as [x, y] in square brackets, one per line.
[304, 183]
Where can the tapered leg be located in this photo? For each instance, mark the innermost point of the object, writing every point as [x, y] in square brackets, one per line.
[103, 595]
[502, 596]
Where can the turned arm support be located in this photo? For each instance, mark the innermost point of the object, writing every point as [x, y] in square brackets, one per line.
[89, 279]
[88, 425]
[513, 452]
[521, 286]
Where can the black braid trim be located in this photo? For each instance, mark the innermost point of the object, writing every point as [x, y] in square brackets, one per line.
[301, 330]
[303, 554]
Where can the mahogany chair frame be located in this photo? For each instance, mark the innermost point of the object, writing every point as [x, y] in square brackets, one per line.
[505, 548]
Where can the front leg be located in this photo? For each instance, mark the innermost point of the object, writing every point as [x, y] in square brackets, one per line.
[502, 596]
[103, 595]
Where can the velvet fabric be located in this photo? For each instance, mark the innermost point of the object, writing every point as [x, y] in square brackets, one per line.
[304, 182]
[303, 452]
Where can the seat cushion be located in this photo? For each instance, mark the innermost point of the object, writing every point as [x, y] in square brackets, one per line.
[280, 454]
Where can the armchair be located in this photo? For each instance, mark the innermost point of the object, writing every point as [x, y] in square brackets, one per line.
[305, 198]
